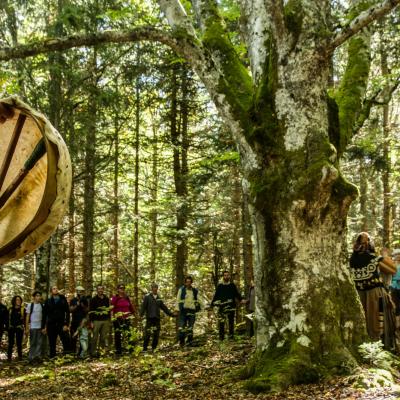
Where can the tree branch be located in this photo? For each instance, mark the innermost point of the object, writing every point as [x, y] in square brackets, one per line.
[381, 97]
[361, 21]
[147, 33]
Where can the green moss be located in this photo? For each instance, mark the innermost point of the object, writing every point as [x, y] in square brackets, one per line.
[294, 15]
[352, 89]
[236, 82]
[342, 188]
[353, 86]
[266, 130]
[276, 369]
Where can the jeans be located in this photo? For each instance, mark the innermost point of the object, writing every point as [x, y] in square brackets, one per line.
[84, 344]
[186, 322]
[36, 344]
[152, 328]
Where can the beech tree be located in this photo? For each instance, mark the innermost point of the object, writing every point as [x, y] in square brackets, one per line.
[291, 130]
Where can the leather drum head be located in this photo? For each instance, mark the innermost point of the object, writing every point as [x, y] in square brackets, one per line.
[35, 179]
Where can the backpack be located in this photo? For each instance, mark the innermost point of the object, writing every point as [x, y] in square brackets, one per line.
[31, 310]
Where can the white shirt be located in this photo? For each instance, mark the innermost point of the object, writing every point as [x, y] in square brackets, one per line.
[36, 317]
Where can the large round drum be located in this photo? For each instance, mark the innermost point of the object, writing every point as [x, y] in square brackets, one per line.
[35, 179]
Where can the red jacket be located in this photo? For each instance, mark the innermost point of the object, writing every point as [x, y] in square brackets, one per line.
[122, 307]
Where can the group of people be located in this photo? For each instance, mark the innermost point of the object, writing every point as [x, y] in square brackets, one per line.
[377, 280]
[83, 324]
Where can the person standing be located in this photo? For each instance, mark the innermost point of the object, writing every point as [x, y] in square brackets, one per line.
[3, 320]
[78, 307]
[83, 333]
[151, 306]
[366, 269]
[33, 325]
[122, 311]
[15, 327]
[55, 321]
[99, 316]
[225, 298]
[187, 305]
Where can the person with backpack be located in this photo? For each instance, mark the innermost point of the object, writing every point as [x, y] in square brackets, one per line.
[33, 325]
[55, 321]
[187, 305]
[122, 312]
[225, 298]
[151, 306]
[15, 327]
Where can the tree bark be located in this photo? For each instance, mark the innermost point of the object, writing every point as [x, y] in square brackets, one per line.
[136, 190]
[154, 201]
[248, 273]
[115, 208]
[387, 193]
[89, 183]
[179, 141]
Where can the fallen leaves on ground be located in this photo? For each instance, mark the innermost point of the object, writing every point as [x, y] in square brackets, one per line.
[206, 372]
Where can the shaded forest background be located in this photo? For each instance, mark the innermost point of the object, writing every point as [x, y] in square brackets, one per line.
[157, 188]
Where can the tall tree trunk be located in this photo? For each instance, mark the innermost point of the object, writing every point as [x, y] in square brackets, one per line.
[115, 209]
[42, 268]
[154, 201]
[387, 195]
[180, 143]
[71, 211]
[89, 184]
[136, 194]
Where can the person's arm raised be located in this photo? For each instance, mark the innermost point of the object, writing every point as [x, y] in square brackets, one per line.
[387, 266]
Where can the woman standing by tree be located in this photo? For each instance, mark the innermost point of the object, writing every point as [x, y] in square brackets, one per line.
[367, 269]
[15, 327]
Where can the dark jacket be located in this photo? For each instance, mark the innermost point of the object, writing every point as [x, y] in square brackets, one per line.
[99, 308]
[225, 295]
[16, 318]
[81, 304]
[55, 312]
[3, 317]
[151, 307]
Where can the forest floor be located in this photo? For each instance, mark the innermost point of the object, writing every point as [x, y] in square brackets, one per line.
[204, 372]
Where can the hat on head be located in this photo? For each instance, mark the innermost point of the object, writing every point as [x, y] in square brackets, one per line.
[80, 288]
[395, 252]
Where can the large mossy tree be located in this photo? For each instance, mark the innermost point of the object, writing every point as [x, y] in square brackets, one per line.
[291, 129]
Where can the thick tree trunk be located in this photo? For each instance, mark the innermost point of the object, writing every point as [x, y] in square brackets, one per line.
[308, 317]
[179, 142]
